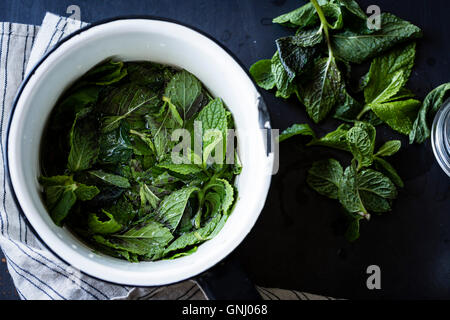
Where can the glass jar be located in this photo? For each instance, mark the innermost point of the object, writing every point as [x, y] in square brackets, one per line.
[440, 137]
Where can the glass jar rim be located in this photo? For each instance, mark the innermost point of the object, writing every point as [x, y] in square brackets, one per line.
[440, 137]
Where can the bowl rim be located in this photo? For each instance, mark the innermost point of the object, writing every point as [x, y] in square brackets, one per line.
[264, 119]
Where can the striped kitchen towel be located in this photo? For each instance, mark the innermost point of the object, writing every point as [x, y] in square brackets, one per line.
[36, 272]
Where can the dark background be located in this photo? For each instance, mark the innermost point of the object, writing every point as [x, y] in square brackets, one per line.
[298, 240]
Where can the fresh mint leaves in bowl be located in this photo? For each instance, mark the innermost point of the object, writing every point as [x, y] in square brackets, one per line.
[117, 161]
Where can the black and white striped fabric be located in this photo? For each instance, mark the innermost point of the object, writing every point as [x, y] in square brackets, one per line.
[36, 272]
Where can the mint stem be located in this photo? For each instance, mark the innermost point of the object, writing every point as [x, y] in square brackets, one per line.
[363, 112]
[324, 22]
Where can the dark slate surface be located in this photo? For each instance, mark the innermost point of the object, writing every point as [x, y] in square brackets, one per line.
[297, 243]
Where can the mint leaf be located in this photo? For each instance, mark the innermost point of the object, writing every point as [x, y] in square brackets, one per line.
[389, 148]
[85, 193]
[366, 190]
[298, 51]
[333, 13]
[325, 177]
[61, 193]
[125, 102]
[194, 237]
[110, 178]
[301, 17]
[148, 240]
[420, 130]
[296, 129]
[335, 139]
[183, 90]
[389, 73]
[361, 143]
[320, 94]
[79, 99]
[115, 146]
[285, 87]
[225, 191]
[184, 169]
[104, 74]
[399, 115]
[261, 72]
[172, 207]
[60, 199]
[213, 119]
[147, 196]
[84, 147]
[122, 211]
[355, 47]
[107, 226]
[353, 7]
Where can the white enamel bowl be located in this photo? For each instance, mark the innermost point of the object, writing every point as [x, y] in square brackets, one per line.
[138, 39]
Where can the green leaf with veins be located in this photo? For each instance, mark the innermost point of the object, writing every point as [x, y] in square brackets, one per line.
[160, 138]
[285, 87]
[302, 17]
[84, 147]
[85, 193]
[320, 94]
[433, 101]
[194, 237]
[366, 190]
[122, 211]
[325, 177]
[171, 208]
[399, 115]
[335, 139]
[173, 110]
[110, 178]
[108, 226]
[147, 196]
[61, 193]
[261, 72]
[361, 142]
[149, 74]
[347, 107]
[333, 13]
[213, 119]
[297, 52]
[79, 99]
[389, 148]
[115, 146]
[296, 129]
[148, 240]
[348, 192]
[122, 105]
[183, 90]
[402, 94]
[355, 47]
[104, 74]
[59, 201]
[225, 190]
[184, 169]
[389, 73]
[353, 7]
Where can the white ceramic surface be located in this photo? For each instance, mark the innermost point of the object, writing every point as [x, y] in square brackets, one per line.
[158, 41]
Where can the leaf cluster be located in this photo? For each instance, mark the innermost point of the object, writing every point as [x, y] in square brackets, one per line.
[108, 170]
